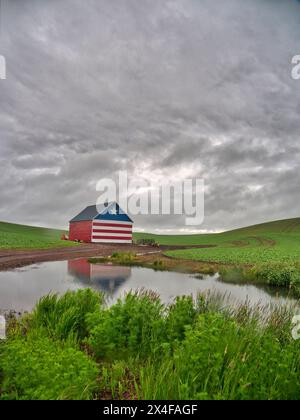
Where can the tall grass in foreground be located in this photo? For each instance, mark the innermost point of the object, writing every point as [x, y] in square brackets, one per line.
[76, 347]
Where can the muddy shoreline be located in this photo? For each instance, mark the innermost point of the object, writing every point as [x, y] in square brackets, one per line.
[12, 258]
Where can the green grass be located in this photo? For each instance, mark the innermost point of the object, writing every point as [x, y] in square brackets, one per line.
[271, 247]
[139, 348]
[284, 227]
[37, 367]
[176, 239]
[13, 236]
[277, 241]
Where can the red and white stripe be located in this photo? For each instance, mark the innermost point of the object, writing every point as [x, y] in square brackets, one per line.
[112, 231]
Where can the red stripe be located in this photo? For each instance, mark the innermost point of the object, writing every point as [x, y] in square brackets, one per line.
[111, 224]
[111, 231]
[111, 237]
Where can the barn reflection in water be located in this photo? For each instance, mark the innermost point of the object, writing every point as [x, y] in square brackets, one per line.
[105, 278]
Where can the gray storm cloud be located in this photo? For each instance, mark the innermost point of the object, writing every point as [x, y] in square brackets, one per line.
[157, 88]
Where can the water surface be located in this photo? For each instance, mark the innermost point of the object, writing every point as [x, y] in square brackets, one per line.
[22, 287]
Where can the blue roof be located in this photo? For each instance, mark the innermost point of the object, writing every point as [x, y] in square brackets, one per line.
[102, 211]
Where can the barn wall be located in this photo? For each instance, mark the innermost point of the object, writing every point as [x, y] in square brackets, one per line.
[112, 231]
[81, 231]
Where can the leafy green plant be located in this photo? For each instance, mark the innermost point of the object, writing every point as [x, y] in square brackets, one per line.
[132, 326]
[181, 314]
[35, 367]
[123, 258]
[279, 275]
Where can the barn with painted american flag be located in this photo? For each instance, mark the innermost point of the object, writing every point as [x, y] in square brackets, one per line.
[103, 223]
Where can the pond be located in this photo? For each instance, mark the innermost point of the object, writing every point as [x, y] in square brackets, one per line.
[22, 287]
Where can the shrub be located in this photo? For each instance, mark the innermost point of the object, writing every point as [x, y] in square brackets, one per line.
[195, 369]
[131, 326]
[37, 368]
[147, 241]
[124, 258]
[180, 315]
[277, 275]
[199, 361]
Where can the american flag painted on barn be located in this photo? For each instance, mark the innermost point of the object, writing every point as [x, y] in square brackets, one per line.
[112, 225]
[112, 231]
[102, 223]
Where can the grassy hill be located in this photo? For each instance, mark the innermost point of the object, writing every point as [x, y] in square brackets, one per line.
[274, 241]
[286, 226]
[277, 226]
[277, 241]
[19, 236]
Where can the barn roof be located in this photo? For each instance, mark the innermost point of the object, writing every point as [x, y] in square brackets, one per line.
[87, 214]
[91, 212]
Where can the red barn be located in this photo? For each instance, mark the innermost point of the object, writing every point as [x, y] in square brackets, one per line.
[102, 223]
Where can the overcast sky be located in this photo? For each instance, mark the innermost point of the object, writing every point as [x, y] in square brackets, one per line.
[163, 89]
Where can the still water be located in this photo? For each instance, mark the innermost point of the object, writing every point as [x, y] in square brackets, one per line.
[21, 288]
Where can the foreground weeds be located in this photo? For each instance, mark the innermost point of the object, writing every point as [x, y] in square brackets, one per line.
[77, 347]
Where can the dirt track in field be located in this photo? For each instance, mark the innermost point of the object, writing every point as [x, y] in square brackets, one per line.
[10, 259]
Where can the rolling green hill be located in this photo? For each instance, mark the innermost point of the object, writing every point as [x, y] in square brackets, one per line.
[277, 241]
[286, 226]
[13, 236]
[273, 241]
[277, 226]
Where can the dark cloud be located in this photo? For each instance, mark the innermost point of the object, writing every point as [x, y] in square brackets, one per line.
[162, 89]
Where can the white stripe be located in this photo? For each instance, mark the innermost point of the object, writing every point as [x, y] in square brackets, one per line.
[111, 234]
[123, 229]
[113, 241]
